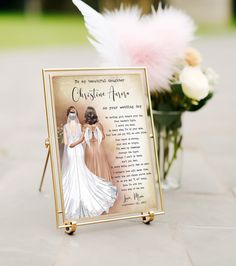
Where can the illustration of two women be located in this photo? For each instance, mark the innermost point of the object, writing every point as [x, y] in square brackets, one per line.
[86, 175]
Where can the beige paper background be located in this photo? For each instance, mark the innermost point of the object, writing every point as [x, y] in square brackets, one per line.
[62, 93]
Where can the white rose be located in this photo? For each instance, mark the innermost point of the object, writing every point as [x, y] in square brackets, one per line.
[194, 83]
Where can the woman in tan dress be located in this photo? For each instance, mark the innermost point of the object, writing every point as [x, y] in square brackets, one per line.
[93, 135]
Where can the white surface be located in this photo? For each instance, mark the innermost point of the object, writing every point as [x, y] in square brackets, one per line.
[199, 227]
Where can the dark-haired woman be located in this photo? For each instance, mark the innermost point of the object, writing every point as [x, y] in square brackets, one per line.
[85, 194]
[93, 134]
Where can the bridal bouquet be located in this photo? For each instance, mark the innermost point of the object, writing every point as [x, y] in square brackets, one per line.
[161, 42]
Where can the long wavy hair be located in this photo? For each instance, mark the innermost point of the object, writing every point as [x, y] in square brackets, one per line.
[90, 116]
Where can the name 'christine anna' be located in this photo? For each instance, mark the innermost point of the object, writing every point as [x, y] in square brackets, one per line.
[78, 93]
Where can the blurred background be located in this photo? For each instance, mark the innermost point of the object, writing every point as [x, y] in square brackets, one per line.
[41, 22]
[199, 227]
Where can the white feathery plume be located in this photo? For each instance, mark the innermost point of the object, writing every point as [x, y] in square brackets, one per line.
[126, 38]
[102, 35]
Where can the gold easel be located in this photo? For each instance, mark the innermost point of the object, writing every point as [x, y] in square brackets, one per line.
[71, 226]
[45, 164]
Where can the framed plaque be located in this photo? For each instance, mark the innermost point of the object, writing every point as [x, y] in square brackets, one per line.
[102, 145]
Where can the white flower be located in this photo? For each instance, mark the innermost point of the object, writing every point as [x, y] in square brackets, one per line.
[193, 57]
[194, 83]
[212, 77]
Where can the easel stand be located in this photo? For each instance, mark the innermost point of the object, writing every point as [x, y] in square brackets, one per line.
[71, 226]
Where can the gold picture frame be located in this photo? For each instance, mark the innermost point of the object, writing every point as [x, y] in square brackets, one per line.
[57, 85]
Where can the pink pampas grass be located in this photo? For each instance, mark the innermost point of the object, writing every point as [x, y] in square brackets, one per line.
[125, 38]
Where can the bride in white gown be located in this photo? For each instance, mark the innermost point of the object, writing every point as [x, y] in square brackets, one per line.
[85, 194]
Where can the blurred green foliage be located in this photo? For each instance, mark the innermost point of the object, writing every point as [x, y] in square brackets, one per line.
[214, 29]
[18, 30]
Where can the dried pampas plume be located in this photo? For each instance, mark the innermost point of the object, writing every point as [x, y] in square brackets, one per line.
[124, 37]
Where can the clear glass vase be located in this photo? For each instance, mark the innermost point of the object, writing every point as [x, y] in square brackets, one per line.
[168, 126]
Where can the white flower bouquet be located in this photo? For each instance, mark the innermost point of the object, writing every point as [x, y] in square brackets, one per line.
[190, 87]
[160, 41]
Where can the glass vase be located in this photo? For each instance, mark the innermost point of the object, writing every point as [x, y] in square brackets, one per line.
[168, 126]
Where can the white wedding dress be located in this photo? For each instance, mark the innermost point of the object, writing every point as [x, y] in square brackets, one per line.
[85, 194]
